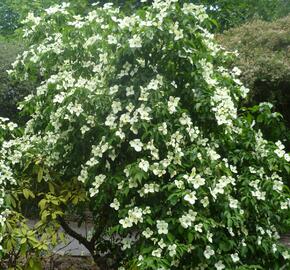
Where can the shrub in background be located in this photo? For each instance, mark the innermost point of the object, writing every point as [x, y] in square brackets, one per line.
[264, 55]
[11, 92]
[136, 119]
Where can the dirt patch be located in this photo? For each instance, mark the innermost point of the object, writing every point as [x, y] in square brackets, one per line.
[58, 262]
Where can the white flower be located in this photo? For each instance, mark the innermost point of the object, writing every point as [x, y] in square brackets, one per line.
[125, 119]
[236, 71]
[274, 248]
[147, 210]
[260, 195]
[76, 109]
[178, 33]
[133, 183]
[110, 121]
[213, 154]
[162, 227]
[208, 252]
[84, 129]
[209, 237]
[144, 165]
[130, 107]
[112, 39]
[235, 257]
[114, 89]
[115, 204]
[161, 244]
[59, 98]
[99, 179]
[198, 227]
[157, 253]
[233, 203]
[135, 42]
[191, 198]
[126, 242]
[137, 145]
[244, 91]
[147, 233]
[219, 265]
[172, 104]
[172, 250]
[179, 184]
[154, 151]
[126, 223]
[198, 181]
[11, 126]
[90, 41]
[163, 128]
[187, 219]
[116, 106]
[205, 201]
[149, 188]
[287, 157]
[278, 185]
[135, 216]
[280, 153]
[185, 120]
[155, 83]
[280, 145]
[223, 106]
[53, 9]
[284, 205]
[129, 91]
[144, 112]
[286, 255]
[119, 133]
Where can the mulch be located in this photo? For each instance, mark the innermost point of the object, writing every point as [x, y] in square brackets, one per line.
[58, 262]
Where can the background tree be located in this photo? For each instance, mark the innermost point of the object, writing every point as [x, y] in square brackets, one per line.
[264, 55]
[11, 92]
[234, 13]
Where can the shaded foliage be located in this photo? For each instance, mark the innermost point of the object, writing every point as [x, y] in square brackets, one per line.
[264, 58]
[234, 13]
[11, 92]
[226, 13]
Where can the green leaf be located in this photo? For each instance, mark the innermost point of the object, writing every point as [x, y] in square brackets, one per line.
[28, 193]
[190, 237]
[40, 174]
[34, 264]
[51, 187]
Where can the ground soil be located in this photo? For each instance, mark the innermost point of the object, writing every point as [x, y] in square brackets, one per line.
[58, 262]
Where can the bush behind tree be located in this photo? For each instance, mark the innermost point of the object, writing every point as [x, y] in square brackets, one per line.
[263, 49]
[11, 91]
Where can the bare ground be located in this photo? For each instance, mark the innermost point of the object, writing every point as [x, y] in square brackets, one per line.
[58, 262]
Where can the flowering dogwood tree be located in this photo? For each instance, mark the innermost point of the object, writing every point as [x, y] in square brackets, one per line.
[136, 119]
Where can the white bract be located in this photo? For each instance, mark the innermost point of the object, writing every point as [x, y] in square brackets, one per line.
[162, 227]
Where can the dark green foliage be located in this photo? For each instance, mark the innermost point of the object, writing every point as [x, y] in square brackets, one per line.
[264, 60]
[10, 92]
[233, 13]
[8, 19]
[226, 13]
